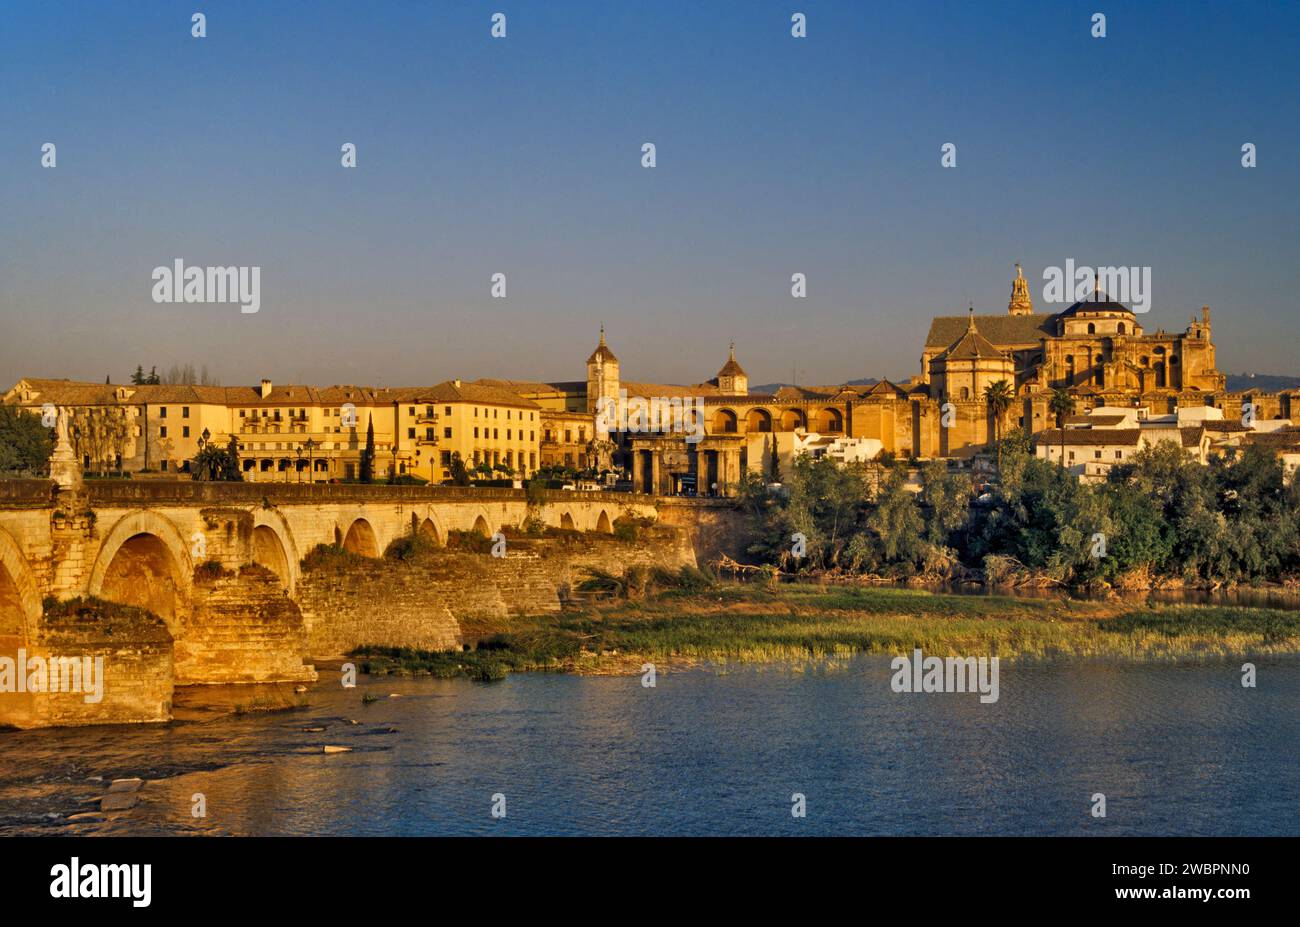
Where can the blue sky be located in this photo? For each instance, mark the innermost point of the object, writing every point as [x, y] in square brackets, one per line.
[522, 155]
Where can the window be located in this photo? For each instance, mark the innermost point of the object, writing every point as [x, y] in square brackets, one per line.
[1071, 456]
[241, 413]
[185, 411]
[185, 431]
[568, 436]
[428, 434]
[447, 410]
[445, 457]
[162, 413]
[1119, 455]
[494, 413]
[410, 432]
[507, 430]
[476, 431]
[507, 414]
[162, 431]
[410, 411]
[446, 432]
[1096, 455]
[494, 433]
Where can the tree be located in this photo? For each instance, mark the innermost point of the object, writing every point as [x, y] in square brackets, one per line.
[25, 444]
[998, 397]
[138, 378]
[99, 433]
[368, 455]
[459, 475]
[897, 520]
[774, 461]
[946, 496]
[218, 463]
[1061, 404]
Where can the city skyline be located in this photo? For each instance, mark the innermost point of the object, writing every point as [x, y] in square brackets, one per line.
[522, 156]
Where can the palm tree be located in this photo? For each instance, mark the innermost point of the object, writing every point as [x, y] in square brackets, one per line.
[998, 396]
[1061, 405]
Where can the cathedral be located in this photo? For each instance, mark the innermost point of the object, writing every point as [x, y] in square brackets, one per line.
[1096, 344]
[1095, 349]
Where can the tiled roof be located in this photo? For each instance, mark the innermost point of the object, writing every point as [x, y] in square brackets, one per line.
[1002, 330]
[1077, 437]
[449, 391]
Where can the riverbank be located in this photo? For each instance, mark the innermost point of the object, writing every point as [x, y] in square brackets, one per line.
[744, 623]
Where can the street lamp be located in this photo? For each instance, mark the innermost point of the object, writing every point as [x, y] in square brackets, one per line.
[310, 444]
[298, 451]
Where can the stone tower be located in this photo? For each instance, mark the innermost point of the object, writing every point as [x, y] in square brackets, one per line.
[732, 379]
[1020, 304]
[602, 374]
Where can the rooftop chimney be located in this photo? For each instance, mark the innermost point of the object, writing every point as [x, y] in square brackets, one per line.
[266, 387]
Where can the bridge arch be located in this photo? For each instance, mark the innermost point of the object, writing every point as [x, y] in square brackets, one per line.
[145, 562]
[603, 524]
[566, 521]
[360, 538]
[273, 547]
[431, 525]
[20, 597]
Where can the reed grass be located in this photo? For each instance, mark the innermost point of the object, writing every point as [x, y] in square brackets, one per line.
[748, 624]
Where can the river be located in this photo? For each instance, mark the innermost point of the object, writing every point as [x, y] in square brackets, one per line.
[1175, 748]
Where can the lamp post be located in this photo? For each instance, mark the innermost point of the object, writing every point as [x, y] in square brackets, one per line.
[203, 442]
[298, 474]
[310, 444]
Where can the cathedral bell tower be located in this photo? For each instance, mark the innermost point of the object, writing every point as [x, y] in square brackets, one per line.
[602, 374]
[1020, 304]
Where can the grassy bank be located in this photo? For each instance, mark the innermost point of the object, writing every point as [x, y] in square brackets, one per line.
[747, 623]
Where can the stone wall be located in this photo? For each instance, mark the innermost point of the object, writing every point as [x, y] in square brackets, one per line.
[422, 603]
[712, 526]
[136, 649]
[242, 628]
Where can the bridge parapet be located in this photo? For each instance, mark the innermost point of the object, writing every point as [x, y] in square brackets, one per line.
[26, 494]
[195, 492]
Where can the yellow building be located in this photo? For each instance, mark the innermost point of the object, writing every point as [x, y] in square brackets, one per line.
[294, 433]
[487, 426]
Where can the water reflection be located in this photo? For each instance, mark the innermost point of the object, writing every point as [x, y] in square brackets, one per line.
[1175, 748]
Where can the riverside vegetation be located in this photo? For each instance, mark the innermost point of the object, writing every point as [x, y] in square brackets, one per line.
[1166, 521]
[1159, 521]
[671, 620]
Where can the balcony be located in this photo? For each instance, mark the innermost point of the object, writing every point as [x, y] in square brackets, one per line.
[426, 418]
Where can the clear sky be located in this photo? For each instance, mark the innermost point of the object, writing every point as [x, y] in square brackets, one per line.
[522, 155]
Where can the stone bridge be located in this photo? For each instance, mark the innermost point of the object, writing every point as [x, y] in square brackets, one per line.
[189, 553]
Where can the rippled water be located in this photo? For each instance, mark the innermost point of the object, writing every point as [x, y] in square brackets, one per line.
[1176, 749]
